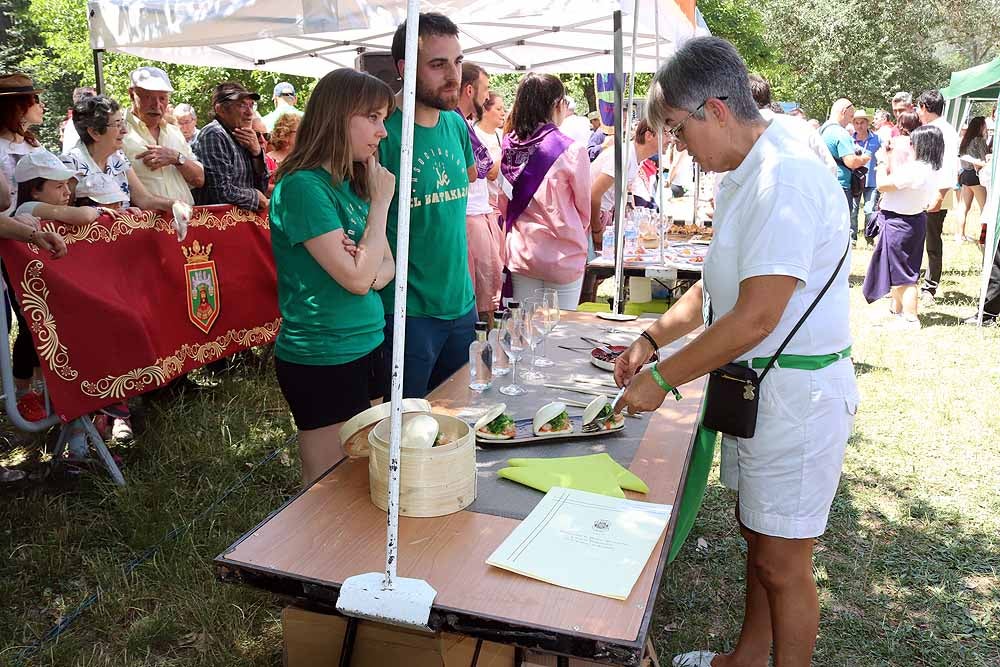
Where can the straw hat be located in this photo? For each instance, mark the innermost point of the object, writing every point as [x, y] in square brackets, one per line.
[18, 84]
[861, 114]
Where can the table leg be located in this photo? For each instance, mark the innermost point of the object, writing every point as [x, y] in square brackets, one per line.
[562, 661]
[518, 656]
[347, 648]
[475, 654]
[651, 657]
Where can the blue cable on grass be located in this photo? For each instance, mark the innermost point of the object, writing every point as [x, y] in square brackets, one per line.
[59, 628]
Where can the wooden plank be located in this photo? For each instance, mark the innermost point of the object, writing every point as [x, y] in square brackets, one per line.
[332, 531]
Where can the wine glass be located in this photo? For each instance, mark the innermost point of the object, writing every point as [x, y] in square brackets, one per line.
[549, 299]
[512, 341]
[535, 324]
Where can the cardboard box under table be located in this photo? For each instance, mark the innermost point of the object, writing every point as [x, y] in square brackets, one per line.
[331, 530]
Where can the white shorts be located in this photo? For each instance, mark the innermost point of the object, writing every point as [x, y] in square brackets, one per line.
[787, 474]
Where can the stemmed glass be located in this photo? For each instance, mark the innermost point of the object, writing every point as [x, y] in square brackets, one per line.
[535, 323]
[512, 340]
[549, 300]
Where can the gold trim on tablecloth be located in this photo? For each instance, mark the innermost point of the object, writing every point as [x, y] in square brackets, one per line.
[124, 224]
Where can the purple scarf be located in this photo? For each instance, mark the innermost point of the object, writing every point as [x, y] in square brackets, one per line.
[526, 162]
[479, 152]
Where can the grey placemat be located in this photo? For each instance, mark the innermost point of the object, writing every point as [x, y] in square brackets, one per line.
[502, 497]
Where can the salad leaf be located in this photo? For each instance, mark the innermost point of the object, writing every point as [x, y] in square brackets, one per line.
[560, 421]
[605, 413]
[500, 424]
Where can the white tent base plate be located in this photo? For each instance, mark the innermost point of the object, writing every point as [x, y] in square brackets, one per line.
[617, 317]
[407, 604]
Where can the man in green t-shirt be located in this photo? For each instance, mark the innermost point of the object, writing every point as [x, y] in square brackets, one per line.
[440, 304]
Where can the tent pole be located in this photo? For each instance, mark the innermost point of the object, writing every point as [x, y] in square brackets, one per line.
[99, 70]
[659, 137]
[402, 271]
[621, 150]
[618, 306]
[992, 209]
[697, 192]
[384, 597]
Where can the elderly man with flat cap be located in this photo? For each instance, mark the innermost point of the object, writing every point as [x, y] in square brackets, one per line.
[235, 172]
[160, 156]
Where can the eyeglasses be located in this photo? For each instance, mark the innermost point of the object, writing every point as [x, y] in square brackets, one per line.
[246, 103]
[36, 99]
[675, 131]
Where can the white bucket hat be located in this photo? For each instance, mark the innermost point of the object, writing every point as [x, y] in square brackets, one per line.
[41, 164]
[100, 188]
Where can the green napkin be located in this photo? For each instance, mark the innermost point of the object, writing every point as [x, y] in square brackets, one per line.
[597, 473]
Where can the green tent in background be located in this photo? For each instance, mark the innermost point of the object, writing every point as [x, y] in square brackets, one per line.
[979, 84]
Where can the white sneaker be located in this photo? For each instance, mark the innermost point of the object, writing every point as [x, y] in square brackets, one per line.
[121, 430]
[694, 659]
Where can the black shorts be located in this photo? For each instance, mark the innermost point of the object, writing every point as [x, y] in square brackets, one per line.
[324, 395]
[968, 177]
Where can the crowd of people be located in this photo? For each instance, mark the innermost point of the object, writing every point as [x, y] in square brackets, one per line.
[146, 155]
[503, 203]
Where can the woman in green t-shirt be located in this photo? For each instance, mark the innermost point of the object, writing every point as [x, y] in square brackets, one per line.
[328, 220]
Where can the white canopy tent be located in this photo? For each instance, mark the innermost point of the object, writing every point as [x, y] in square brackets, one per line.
[312, 37]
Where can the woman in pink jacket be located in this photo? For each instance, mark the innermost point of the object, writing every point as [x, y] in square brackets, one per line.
[545, 194]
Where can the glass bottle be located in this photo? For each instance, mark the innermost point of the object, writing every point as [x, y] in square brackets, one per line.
[480, 361]
[501, 364]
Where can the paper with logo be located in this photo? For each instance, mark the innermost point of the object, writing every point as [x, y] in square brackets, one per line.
[584, 541]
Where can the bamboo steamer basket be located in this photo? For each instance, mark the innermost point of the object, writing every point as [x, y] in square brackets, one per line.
[433, 481]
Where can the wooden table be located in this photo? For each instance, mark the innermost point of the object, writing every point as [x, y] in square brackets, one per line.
[331, 531]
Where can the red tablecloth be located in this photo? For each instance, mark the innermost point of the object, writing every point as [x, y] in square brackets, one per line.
[130, 308]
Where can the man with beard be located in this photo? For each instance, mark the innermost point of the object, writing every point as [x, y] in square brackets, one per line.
[481, 228]
[441, 305]
[160, 155]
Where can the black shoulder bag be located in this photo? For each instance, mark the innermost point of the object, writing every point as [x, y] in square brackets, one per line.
[734, 389]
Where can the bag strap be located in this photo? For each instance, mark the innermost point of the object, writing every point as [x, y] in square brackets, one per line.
[809, 310]
[838, 160]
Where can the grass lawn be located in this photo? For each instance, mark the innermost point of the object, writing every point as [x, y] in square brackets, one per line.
[908, 571]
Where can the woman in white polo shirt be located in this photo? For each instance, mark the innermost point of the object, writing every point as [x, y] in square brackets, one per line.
[781, 234]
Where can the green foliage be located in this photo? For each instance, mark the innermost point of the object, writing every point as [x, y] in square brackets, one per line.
[59, 58]
[830, 50]
[741, 22]
[971, 29]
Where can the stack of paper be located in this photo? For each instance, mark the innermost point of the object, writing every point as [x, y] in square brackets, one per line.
[584, 541]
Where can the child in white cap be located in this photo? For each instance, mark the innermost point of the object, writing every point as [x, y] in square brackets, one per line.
[43, 190]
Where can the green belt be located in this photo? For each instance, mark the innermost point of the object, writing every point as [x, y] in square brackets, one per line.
[802, 362]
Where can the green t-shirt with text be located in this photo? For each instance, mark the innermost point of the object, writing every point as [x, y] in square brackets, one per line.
[323, 324]
[439, 284]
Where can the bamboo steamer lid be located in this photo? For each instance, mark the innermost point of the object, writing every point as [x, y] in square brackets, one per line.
[354, 432]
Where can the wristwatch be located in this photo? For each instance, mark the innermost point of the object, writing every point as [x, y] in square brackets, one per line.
[181, 159]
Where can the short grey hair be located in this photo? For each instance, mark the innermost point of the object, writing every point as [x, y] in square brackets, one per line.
[93, 113]
[704, 68]
[185, 109]
[902, 98]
